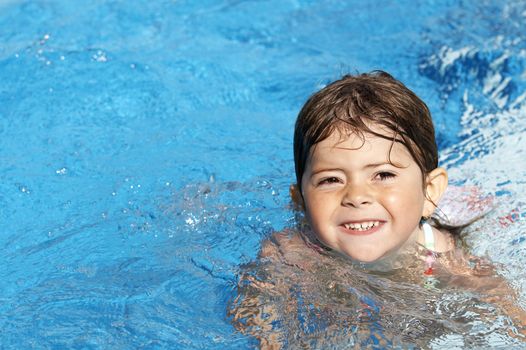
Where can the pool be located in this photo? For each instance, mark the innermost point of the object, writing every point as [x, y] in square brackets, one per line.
[146, 149]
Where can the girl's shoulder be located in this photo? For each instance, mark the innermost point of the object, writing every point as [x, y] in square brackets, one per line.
[461, 269]
[278, 243]
[290, 247]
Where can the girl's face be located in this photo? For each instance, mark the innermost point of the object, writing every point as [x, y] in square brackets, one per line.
[357, 201]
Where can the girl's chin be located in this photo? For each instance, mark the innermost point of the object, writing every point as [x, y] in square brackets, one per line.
[368, 260]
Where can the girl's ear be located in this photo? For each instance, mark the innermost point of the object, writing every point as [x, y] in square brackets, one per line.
[295, 195]
[436, 183]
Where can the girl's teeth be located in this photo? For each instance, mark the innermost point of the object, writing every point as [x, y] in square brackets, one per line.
[362, 226]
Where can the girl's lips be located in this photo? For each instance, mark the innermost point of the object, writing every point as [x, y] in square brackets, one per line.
[367, 227]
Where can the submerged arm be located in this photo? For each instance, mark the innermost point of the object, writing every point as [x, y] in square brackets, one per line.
[258, 308]
[479, 275]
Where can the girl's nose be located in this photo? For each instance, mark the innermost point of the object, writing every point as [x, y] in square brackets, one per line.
[357, 195]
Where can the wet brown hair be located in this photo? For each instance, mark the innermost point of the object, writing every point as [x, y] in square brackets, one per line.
[354, 103]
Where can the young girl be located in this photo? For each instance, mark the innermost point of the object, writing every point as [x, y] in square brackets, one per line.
[371, 259]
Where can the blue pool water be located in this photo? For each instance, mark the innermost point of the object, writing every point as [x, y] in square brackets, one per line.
[146, 148]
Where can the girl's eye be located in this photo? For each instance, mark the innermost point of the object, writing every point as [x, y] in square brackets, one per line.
[329, 181]
[385, 175]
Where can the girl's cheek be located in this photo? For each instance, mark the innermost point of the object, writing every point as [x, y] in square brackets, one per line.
[401, 199]
[390, 197]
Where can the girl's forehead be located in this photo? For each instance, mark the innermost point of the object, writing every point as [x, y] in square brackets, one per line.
[371, 129]
[354, 140]
[384, 146]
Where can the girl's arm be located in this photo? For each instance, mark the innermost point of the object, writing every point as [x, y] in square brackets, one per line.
[259, 306]
[479, 275]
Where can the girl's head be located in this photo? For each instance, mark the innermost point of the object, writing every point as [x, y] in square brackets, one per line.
[366, 164]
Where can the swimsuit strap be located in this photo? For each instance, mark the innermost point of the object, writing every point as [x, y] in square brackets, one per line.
[429, 237]
[429, 243]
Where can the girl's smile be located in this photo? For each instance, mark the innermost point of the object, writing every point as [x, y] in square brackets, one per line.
[364, 227]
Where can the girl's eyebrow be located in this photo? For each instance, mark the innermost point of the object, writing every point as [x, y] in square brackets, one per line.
[368, 166]
[321, 170]
[376, 165]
